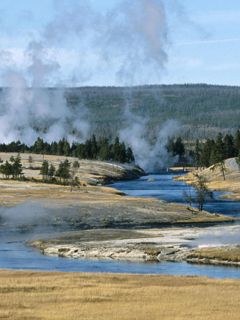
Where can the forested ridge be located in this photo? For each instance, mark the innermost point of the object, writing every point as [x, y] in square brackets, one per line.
[203, 110]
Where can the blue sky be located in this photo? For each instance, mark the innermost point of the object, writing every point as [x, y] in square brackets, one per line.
[203, 43]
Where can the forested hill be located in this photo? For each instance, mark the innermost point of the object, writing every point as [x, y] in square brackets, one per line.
[203, 109]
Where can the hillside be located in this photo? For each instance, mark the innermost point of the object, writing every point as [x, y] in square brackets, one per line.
[203, 110]
[89, 172]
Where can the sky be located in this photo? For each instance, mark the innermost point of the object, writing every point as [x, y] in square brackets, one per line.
[87, 42]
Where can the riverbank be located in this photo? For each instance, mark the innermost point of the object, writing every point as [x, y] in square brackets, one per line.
[159, 245]
[216, 255]
[40, 205]
[97, 206]
[50, 296]
[89, 172]
[215, 179]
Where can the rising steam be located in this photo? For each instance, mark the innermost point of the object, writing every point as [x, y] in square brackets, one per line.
[154, 156]
[131, 40]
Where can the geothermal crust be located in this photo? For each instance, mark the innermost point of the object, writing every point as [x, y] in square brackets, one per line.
[168, 244]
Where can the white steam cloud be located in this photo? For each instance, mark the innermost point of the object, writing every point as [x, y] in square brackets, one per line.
[131, 39]
[152, 157]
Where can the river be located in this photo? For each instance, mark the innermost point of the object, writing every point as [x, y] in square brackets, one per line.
[14, 254]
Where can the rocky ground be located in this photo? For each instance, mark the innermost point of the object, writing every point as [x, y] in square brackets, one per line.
[168, 244]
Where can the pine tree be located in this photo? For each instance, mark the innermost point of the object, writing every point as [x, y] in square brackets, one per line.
[197, 154]
[6, 169]
[237, 143]
[63, 171]
[44, 170]
[179, 148]
[129, 155]
[229, 149]
[16, 167]
[219, 151]
[51, 171]
[206, 151]
[65, 147]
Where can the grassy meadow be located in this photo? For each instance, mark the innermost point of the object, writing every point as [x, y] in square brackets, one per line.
[35, 295]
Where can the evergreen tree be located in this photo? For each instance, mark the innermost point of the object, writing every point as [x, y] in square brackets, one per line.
[94, 147]
[229, 149]
[197, 154]
[179, 148]
[44, 170]
[219, 149]
[129, 155]
[6, 169]
[206, 151]
[65, 148]
[54, 148]
[16, 167]
[51, 171]
[237, 143]
[38, 146]
[63, 171]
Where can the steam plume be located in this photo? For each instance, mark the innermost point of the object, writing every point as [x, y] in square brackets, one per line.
[131, 39]
[154, 156]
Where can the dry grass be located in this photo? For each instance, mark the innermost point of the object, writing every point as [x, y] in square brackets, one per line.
[107, 200]
[230, 254]
[27, 295]
[89, 170]
[215, 179]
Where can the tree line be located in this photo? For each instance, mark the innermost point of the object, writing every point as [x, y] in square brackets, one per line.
[93, 149]
[205, 153]
[216, 150]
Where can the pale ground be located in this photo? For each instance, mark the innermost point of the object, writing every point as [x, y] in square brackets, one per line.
[90, 172]
[71, 296]
[168, 244]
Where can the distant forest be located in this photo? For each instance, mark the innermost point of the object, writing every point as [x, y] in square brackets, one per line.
[203, 110]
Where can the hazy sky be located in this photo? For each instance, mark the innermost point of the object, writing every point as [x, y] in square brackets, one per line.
[202, 41]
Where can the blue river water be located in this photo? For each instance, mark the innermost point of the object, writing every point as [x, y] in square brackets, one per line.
[14, 254]
[164, 187]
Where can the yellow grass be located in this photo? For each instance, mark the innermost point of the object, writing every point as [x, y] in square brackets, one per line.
[28, 295]
[220, 253]
[215, 180]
